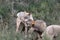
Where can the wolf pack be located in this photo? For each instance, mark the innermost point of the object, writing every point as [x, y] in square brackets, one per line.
[30, 25]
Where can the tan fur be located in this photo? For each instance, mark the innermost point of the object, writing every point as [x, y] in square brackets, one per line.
[21, 18]
[39, 25]
[52, 30]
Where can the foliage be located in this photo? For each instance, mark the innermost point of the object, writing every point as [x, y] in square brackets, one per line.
[47, 10]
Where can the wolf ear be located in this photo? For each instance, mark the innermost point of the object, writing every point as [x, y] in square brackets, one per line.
[26, 13]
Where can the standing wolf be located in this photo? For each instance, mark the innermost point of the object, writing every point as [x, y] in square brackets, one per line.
[22, 17]
[51, 32]
[38, 26]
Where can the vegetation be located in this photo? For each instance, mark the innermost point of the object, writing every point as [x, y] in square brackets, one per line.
[47, 10]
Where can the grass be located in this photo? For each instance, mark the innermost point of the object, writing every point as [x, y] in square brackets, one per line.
[45, 36]
[10, 34]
